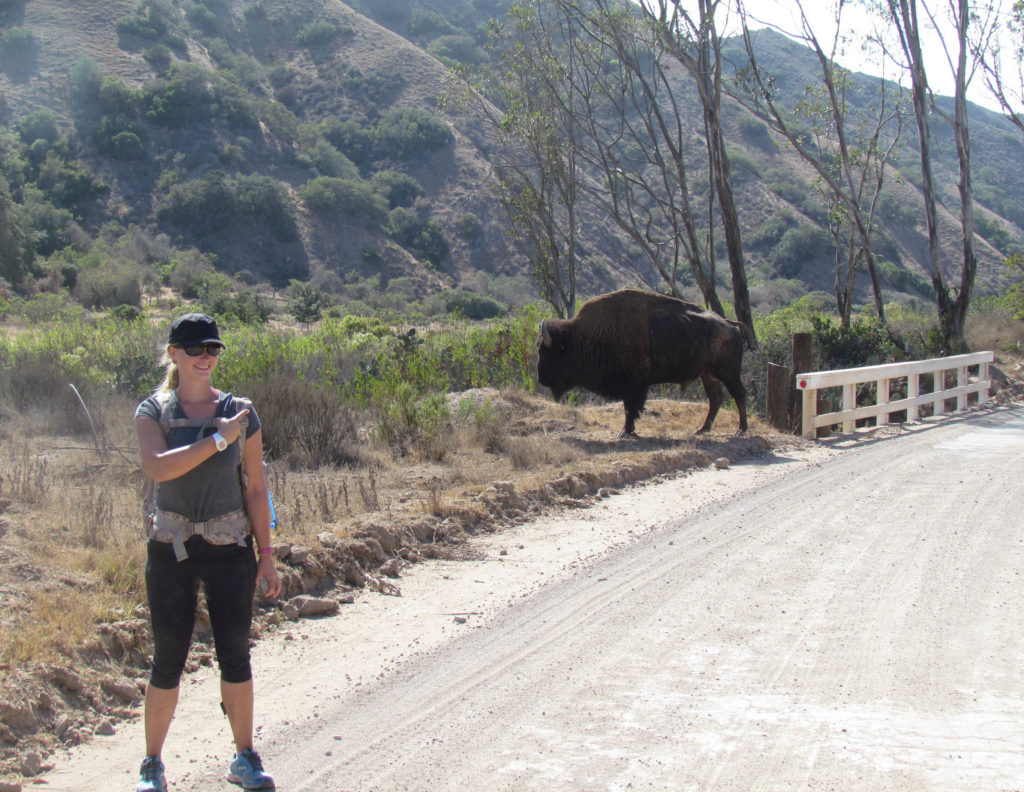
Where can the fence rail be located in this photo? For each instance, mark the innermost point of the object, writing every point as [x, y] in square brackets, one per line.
[848, 379]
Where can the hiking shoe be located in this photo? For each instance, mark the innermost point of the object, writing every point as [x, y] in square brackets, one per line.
[247, 770]
[151, 776]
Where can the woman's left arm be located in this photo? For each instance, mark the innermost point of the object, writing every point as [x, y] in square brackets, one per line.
[257, 506]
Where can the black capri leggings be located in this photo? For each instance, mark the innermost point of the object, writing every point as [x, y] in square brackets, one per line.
[228, 575]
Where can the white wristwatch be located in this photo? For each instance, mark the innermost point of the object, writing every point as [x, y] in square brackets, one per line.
[219, 441]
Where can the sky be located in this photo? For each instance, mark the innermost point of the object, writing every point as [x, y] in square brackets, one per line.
[856, 55]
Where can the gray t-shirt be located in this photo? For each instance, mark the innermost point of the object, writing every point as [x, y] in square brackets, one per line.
[212, 488]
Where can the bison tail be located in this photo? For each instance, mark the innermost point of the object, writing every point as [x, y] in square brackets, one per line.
[746, 333]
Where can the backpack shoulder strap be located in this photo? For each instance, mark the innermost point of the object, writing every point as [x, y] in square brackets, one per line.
[242, 403]
[167, 421]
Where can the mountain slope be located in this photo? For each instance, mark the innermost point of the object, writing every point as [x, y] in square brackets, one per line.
[301, 140]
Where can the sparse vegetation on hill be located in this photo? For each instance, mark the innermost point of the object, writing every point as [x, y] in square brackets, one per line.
[281, 141]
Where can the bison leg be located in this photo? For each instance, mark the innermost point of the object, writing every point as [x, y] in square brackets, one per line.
[735, 387]
[713, 389]
[633, 405]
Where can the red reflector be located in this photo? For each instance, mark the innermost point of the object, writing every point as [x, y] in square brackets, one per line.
[803, 383]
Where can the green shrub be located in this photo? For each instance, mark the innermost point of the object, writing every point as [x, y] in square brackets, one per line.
[186, 272]
[306, 303]
[896, 210]
[455, 48]
[68, 184]
[431, 23]
[349, 137]
[469, 226]
[771, 230]
[993, 232]
[344, 196]
[755, 131]
[85, 79]
[468, 304]
[787, 185]
[408, 423]
[201, 17]
[741, 164]
[98, 358]
[116, 96]
[204, 205]
[212, 203]
[109, 284]
[263, 198]
[331, 162]
[18, 44]
[799, 245]
[40, 125]
[904, 279]
[244, 306]
[399, 189]
[864, 343]
[318, 34]
[137, 26]
[158, 56]
[424, 237]
[126, 146]
[183, 95]
[407, 133]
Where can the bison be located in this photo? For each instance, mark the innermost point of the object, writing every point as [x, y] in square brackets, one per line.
[619, 344]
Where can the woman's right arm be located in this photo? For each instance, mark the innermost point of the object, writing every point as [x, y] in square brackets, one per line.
[162, 463]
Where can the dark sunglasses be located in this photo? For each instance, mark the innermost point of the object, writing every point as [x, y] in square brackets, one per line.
[195, 350]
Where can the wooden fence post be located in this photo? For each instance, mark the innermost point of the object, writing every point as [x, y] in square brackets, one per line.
[803, 361]
[780, 392]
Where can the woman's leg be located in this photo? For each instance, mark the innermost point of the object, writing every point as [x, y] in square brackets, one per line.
[160, 706]
[238, 704]
[229, 584]
[171, 588]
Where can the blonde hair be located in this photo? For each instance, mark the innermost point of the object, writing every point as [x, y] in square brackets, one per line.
[170, 373]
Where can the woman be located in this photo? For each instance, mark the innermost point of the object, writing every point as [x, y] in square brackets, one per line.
[211, 511]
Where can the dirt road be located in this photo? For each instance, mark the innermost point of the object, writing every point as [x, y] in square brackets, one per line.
[843, 617]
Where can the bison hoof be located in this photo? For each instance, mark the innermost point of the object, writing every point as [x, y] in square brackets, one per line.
[624, 435]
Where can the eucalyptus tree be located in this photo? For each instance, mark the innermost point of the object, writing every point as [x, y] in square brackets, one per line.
[693, 39]
[958, 27]
[532, 111]
[851, 150]
[1004, 73]
[638, 142]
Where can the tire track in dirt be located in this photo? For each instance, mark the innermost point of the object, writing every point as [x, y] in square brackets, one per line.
[810, 633]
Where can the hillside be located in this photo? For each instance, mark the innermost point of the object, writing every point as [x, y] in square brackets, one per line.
[300, 139]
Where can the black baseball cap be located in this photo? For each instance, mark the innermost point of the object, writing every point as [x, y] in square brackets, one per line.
[194, 328]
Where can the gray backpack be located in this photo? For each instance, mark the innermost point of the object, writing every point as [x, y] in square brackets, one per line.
[165, 526]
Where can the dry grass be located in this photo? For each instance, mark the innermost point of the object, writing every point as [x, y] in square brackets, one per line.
[71, 520]
[994, 330]
[71, 528]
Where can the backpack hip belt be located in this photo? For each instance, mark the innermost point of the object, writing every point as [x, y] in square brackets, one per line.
[170, 527]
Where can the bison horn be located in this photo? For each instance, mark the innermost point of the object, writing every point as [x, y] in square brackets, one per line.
[544, 334]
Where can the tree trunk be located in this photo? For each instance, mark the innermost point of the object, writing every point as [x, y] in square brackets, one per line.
[963, 151]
